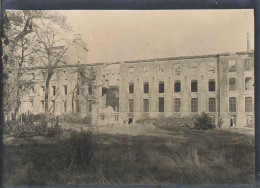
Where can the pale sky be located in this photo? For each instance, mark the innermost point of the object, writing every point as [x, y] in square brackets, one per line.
[118, 35]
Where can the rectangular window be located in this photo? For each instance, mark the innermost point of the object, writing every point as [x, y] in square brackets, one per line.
[247, 64]
[212, 85]
[42, 90]
[161, 87]
[232, 65]
[131, 105]
[161, 104]
[53, 90]
[116, 117]
[194, 105]
[146, 87]
[248, 83]
[90, 89]
[232, 104]
[131, 88]
[53, 106]
[177, 86]
[90, 106]
[212, 105]
[232, 84]
[77, 90]
[42, 105]
[65, 90]
[194, 86]
[77, 106]
[177, 105]
[248, 104]
[146, 105]
[65, 105]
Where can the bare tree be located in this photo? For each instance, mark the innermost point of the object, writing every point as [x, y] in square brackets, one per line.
[50, 56]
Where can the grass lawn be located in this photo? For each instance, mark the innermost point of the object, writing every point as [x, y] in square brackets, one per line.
[168, 156]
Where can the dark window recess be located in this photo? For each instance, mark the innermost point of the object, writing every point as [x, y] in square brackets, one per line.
[232, 104]
[161, 87]
[177, 105]
[194, 86]
[131, 105]
[65, 90]
[90, 89]
[53, 90]
[146, 87]
[212, 85]
[65, 105]
[77, 106]
[161, 104]
[90, 106]
[146, 105]
[212, 105]
[194, 105]
[131, 88]
[232, 84]
[177, 87]
[247, 64]
[77, 90]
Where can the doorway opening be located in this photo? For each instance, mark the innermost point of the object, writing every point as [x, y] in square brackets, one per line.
[233, 121]
[130, 120]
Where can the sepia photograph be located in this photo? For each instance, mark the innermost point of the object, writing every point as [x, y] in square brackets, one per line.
[128, 97]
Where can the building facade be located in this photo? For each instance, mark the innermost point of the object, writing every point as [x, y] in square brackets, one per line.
[221, 85]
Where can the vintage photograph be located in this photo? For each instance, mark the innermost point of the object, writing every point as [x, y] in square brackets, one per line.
[128, 97]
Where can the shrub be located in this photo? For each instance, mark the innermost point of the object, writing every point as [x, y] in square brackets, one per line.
[174, 121]
[204, 122]
[81, 148]
[9, 126]
[76, 118]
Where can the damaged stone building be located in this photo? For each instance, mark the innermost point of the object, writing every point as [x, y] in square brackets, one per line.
[221, 85]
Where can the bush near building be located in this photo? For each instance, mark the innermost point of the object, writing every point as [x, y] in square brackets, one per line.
[204, 122]
[75, 118]
[169, 121]
[29, 125]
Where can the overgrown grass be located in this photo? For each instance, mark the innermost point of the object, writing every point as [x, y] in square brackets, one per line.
[182, 156]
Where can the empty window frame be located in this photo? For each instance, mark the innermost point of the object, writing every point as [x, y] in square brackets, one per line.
[232, 104]
[77, 106]
[177, 105]
[194, 86]
[161, 87]
[53, 90]
[212, 67]
[42, 90]
[131, 105]
[131, 87]
[248, 83]
[65, 87]
[212, 105]
[232, 84]
[161, 104]
[42, 105]
[145, 105]
[53, 106]
[177, 86]
[64, 105]
[90, 88]
[247, 64]
[248, 104]
[232, 65]
[212, 85]
[146, 87]
[90, 105]
[194, 104]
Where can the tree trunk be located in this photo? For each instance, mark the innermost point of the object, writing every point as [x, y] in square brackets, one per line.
[46, 95]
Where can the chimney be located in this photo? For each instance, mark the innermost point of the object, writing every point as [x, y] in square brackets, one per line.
[248, 42]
